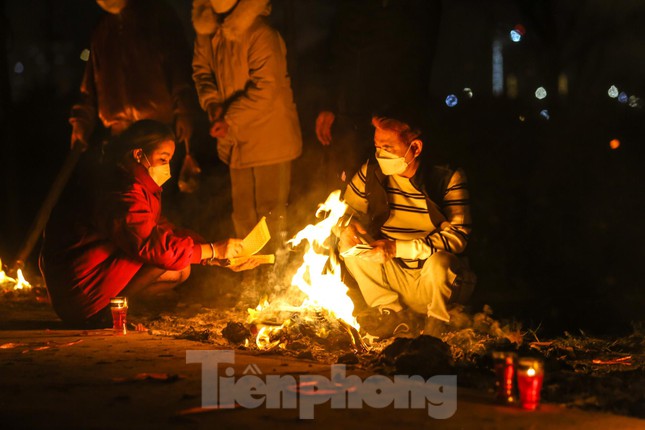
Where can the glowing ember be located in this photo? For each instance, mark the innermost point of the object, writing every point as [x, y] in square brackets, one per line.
[18, 284]
[318, 278]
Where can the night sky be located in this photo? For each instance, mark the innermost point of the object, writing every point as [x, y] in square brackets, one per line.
[558, 235]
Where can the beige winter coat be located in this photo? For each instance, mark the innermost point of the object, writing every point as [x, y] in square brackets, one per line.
[241, 63]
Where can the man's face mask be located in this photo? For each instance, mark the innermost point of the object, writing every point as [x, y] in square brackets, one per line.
[112, 6]
[390, 163]
[159, 174]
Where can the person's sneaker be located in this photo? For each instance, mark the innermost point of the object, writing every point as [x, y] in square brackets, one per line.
[385, 324]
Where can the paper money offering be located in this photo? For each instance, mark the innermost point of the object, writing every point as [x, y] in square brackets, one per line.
[260, 258]
[252, 244]
[356, 250]
[256, 239]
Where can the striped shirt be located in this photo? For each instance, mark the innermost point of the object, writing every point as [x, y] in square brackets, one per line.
[419, 230]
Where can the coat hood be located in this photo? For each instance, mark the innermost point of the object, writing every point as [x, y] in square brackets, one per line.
[241, 18]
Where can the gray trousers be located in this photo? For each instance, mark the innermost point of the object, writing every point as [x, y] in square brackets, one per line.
[428, 290]
[260, 191]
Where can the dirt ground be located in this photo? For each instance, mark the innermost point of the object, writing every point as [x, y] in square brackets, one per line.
[56, 378]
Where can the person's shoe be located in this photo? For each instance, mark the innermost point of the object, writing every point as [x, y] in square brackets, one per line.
[386, 324]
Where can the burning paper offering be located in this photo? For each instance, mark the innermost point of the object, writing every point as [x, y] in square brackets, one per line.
[316, 304]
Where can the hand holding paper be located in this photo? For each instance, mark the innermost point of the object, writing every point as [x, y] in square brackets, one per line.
[251, 245]
[355, 250]
[354, 240]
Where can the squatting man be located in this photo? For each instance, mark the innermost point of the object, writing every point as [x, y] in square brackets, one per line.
[415, 217]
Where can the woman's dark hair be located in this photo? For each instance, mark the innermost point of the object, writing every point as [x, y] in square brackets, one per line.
[145, 134]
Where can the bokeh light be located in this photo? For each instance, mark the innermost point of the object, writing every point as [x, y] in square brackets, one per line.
[614, 144]
[622, 97]
[522, 118]
[468, 92]
[19, 68]
[452, 100]
[540, 93]
[85, 54]
[635, 102]
[613, 92]
[517, 33]
[544, 113]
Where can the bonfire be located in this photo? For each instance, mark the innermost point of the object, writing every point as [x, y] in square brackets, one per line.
[316, 303]
[9, 284]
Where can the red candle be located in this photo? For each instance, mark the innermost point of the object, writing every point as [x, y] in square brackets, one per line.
[530, 374]
[119, 307]
[504, 366]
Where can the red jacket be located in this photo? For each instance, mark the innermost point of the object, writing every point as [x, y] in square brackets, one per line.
[84, 264]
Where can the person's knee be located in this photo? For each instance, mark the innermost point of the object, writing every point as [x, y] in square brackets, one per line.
[183, 275]
[463, 286]
[175, 277]
[442, 261]
[463, 283]
[356, 266]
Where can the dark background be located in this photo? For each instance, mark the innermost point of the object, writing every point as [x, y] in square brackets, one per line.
[558, 236]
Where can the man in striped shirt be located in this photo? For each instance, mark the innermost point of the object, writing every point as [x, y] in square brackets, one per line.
[420, 217]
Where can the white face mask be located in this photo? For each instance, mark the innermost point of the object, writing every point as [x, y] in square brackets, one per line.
[390, 163]
[159, 174]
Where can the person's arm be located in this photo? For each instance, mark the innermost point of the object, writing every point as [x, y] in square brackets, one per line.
[217, 254]
[205, 82]
[353, 233]
[83, 115]
[135, 230]
[221, 250]
[355, 195]
[267, 62]
[324, 121]
[453, 234]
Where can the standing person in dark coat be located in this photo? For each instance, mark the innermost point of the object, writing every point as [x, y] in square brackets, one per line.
[138, 68]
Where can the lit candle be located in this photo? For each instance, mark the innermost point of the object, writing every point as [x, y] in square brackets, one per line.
[119, 307]
[530, 374]
[504, 366]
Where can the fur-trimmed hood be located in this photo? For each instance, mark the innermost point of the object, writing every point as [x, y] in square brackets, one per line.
[205, 20]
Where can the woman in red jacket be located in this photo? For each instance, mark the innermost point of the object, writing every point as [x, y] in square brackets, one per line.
[119, 244]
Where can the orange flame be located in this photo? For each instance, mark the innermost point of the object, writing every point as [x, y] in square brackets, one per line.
[18, 284]
[318, 277]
